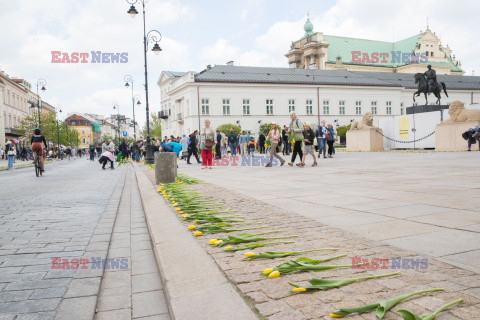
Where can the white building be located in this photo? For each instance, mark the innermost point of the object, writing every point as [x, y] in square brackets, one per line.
[250, 96]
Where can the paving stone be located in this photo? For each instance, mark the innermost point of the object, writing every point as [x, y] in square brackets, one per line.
[77, 308]
[83, 287]
[48, 293]
[119, 314]
[146, 282]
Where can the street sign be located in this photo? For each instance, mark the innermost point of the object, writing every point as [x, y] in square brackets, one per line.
[124, 133]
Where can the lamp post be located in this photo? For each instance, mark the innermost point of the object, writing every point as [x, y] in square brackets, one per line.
[59, 154]
[115, 106]
[129, 82]
[152, 36]
[40, 82]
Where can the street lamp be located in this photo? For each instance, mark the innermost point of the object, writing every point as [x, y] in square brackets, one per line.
[129, 82]
[152, 36]
[115, 106]
[40, 82]
[59, 154]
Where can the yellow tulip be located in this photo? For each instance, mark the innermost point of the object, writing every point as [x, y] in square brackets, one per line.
[249, 254]
[185, 215]
[194, 221]
[178, 209]
[228, 248]
[218, 241]
[267, 271]
[198, 233]
[299, 289]
[190, 227]
[333, 315]
[212, 241]
[180, 212]
[274, 274]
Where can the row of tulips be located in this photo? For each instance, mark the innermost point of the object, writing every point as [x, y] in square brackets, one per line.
[206, 217]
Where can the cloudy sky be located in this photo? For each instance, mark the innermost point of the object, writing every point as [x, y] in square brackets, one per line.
[197, 33]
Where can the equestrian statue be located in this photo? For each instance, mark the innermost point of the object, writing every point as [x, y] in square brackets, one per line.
[427, 83]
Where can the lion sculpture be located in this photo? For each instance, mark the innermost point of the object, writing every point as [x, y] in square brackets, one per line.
[458, 113]
[366, 123]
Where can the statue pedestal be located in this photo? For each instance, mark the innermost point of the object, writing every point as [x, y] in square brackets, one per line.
[448, 136]
[364, 140]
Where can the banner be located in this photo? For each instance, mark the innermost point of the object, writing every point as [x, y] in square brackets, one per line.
[403, 128]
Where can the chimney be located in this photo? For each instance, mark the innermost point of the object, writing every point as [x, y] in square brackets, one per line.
[230, 63]
[209, 67]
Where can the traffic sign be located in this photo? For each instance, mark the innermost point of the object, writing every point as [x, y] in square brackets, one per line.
[124, 133]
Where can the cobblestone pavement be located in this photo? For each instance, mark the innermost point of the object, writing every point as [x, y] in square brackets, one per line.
[428, 203]
[69, 212]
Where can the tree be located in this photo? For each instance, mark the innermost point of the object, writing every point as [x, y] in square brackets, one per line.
[155, 127]
[342, 130]
[225, 128]
[49, 129]
[265, 128]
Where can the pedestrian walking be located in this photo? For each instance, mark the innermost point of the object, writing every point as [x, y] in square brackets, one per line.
[232, 142]
[218, 145]
[10, 151]
[472, 135]
[244, 139]
[207, 141]
[251, 146]
[91, 151]
[330, 139]
[192, 147]
[321, 140]
[296, 126]
[261, 143]
[308, 138]
[184, 143]
[275, 136]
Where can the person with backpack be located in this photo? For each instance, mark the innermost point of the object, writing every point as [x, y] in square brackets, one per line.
[296, 127]
[232, 142]
[330, 135]
[251, 146]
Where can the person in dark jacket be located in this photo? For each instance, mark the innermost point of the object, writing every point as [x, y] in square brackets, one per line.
[286, 144]
[123, 148]
[232, 142]
[472, 135]
[261, 143]
[217, 146]
[192, 147]
[309, 137]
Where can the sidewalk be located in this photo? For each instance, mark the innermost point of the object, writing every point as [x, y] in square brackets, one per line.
[272, 297]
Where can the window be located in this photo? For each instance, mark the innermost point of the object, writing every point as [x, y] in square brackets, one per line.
[226, 106]
[246, 106]
[389, 107]
[427, 52]
[291, 105]
[205, 106]
[358, 107]
[326, 107]
[83, 140]
[341, 107]
[269, 105]
[431, 54]
[309, 106]
[83, 131]
[374, 107]
[402, 112]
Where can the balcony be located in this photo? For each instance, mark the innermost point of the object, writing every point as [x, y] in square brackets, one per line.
[12, 132]
[163, 114]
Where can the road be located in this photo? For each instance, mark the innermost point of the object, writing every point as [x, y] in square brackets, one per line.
[75, 211]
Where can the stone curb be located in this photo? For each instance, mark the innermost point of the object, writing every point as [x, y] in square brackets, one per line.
[194, 286]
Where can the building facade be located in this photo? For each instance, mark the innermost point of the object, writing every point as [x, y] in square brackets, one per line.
[13, 108]
[325, 52]
[251, 96]
[84, 128]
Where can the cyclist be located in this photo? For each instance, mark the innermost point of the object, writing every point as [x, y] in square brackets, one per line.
[37, 147]
[68, 152]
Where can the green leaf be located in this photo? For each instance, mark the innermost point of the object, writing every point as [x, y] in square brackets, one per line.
[251, 246]
[306, 264]
[386, 305]
[362, 309]
[274, 255]
[407, 315]
[326, 284]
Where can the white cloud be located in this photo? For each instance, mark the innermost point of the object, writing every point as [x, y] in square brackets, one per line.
[219, 53]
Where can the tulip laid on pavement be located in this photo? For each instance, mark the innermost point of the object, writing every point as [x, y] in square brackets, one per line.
[251, 246]
[306, 264]
[273, 255]
[408, 315]
[326, 284]
[381, 307]
[248, 237]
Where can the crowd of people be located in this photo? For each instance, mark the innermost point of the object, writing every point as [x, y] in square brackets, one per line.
[297, 138]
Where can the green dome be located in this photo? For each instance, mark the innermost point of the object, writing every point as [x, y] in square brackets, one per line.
[308, 27]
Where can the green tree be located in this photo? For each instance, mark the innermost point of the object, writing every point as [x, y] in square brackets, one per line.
[265, 128]
[155, 127]
[342, 130]
[225, 128]
[49, 129]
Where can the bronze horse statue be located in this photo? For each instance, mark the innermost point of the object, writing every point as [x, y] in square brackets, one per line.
[423, 88]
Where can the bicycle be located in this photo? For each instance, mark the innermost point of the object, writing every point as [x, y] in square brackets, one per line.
[38, 165]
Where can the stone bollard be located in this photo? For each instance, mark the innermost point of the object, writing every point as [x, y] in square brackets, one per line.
[165, 167]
